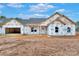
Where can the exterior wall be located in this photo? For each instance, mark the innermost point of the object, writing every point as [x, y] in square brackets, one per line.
[62, 29]
[43, 30]
[51, 30]
[73, 30]
[12, 24]
[1, 30]
[27, 30]
[40, 30]
[37, 32]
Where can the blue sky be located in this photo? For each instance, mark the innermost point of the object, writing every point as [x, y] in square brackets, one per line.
[39, 10]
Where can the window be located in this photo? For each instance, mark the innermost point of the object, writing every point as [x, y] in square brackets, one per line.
[56, 29]
[33, 30]
[68, 29]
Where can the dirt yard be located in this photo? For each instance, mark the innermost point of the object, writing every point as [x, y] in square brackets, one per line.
[38, 45]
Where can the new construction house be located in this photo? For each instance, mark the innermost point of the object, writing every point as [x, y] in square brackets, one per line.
[55, 25]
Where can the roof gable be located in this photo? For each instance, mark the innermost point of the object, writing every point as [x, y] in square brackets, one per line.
[58, 20]
[13, 22]
[54, 17]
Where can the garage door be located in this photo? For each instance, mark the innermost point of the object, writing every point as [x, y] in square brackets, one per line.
[12, 30]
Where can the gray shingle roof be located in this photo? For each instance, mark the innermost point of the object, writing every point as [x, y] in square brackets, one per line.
[26, 21]
[35, 20]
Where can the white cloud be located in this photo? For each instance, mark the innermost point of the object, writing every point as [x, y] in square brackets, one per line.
[40, 7]
[24, 16]
[60, 10]
[15, 5]
[40, 15]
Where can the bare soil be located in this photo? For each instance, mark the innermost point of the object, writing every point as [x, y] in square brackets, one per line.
[39, 45]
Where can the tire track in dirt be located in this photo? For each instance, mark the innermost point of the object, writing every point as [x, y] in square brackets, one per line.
[5, 47]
